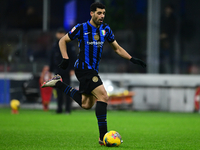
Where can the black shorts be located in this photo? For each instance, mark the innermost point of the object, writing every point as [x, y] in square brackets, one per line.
[88, 80]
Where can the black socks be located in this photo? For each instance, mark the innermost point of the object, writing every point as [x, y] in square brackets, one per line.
[101, 114]
[71, 92]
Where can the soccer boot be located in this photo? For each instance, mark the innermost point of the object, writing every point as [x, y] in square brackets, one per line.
[52, 82]
[101, 142]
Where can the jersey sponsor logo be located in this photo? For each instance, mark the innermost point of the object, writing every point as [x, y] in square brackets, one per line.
[73, 29]
[99, 44]
[95, 79]
[103, 32]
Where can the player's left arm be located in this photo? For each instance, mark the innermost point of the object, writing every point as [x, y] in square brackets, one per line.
[123, 53]
[119, 50]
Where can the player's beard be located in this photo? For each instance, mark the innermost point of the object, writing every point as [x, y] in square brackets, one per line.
[96, 21]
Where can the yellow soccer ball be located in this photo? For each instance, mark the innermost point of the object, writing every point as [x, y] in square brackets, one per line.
[112, 139]
[14, 104]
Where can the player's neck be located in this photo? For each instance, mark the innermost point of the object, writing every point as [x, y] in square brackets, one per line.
[95, 25]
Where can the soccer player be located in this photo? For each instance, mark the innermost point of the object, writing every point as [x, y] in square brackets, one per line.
[91, 36]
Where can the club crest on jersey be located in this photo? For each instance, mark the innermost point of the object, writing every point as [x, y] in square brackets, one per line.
[103, 32]
[96, 37]
[73, 29]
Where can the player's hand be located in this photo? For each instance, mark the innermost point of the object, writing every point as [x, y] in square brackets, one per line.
[64, 64]
[138, 62]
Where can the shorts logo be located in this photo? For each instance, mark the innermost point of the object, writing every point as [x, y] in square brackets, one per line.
[95, 79]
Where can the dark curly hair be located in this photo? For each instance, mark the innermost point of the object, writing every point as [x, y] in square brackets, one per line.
[95, 5]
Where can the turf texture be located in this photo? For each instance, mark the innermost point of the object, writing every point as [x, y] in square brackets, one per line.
[38, 130]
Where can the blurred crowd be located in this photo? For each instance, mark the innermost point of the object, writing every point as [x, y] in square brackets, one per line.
[22, 40]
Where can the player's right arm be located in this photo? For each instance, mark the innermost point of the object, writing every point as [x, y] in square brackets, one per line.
[63, 47]
[71, 35]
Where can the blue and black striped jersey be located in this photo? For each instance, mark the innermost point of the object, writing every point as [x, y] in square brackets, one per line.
[90, 43]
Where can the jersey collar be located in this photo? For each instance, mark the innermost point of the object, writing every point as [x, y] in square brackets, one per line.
[92, 25]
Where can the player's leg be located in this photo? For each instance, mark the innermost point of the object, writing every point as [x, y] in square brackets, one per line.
[101, 110]
[88, 101]
[56, 81]
[84, 100]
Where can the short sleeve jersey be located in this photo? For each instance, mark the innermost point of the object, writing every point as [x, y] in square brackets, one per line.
[90, 43]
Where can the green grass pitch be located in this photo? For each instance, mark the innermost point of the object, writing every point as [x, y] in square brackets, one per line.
[38, 130]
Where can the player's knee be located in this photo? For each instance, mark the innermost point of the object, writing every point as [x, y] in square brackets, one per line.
[86, 106]
[105, 97]
[88, 102]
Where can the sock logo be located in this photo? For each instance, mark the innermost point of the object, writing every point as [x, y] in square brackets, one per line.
[71, 89]
[95, 79]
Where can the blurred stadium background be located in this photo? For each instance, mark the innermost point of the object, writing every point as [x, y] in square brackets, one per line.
[170, 81]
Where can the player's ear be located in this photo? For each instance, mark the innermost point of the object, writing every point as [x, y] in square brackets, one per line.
[91, 13]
